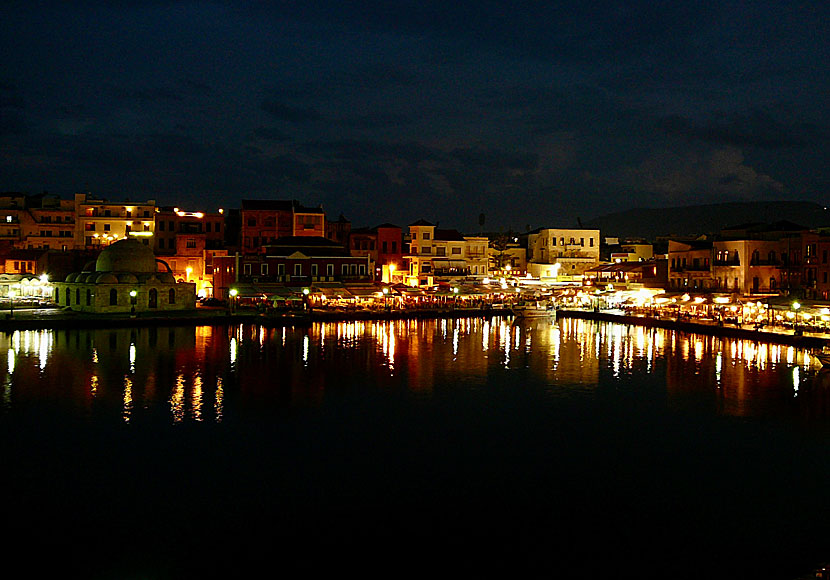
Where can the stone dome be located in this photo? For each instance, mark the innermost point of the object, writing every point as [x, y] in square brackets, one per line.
[104, 278]
[127, 278]
[127, 255]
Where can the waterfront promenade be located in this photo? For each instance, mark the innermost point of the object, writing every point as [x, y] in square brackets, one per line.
[53, 318]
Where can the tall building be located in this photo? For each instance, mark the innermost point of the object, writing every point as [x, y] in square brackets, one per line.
[100, 222]
[555, 253]
[443, 255]
[265, 221]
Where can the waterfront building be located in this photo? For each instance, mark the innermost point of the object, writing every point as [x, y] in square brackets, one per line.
[265, 221]
[690, 265]
[100, 222]
[630, 274]
[815, 275]
[562, 254]
[339, 230]
[632, 252]
[293, 261]
[507, 260]
[48, 223]
[444, 255]
[759, 258]
[126, 277]
[189, 241]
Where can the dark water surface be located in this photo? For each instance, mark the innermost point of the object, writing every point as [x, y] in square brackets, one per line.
[572, 449]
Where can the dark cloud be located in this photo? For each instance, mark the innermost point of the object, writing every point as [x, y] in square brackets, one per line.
[753, 129]
[290, 113]
[270, 134]
[12, 119]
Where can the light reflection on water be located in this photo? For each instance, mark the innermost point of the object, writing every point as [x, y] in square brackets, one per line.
[188, 374]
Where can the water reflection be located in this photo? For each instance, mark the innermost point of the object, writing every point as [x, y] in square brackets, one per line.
[200, 374]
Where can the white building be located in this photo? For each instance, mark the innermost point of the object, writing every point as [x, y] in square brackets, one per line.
[562, 253]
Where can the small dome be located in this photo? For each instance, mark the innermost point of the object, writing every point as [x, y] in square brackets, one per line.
[105, 278]
[71, 277]
[127, 278]
[126, 255]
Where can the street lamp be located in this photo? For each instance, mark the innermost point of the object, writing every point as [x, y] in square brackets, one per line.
[233, 292]
[797, 330]
[133, 294]
[11, 302]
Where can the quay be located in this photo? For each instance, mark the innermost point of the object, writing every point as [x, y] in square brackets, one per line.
[52, 318]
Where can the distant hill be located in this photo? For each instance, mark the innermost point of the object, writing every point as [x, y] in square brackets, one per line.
[692, 220]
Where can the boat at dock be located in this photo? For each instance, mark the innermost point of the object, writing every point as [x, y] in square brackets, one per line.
[534, 309]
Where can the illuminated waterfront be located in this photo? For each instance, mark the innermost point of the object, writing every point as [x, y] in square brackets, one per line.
[556, 446]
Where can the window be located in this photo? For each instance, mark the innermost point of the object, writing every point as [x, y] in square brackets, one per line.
[298, 269]
[161, 225]
[88, 297]
[426, 250]
[414, 234]
[426, 235]
[329, 269]
[89, 227]
[441, 251]
[207, 227]
[153, 298]
[384, 248]
[171, 296]
[263, 269]
[456, 251]
[344, 269]
[191, 243]
[106, 227]
[280, 269]
[246, 269]
[172, 227]
[362, 269]
[591, 242]
[394, 247]
[314, 269]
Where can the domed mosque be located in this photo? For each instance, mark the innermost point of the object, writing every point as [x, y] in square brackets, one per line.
[126, 277]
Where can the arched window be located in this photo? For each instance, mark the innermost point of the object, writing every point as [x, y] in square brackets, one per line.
[772, 284]
[756, 257]
[57, 295]
[172, 296]
[153, 298]
[77, 295]
[113, 297]
[68, 297]
[88, 297]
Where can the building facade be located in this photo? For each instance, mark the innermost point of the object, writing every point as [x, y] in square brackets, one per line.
[99, 222]
[562, 253]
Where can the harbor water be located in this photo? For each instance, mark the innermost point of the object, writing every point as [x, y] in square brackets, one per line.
[564, 449]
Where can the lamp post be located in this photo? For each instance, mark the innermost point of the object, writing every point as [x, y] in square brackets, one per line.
[455, 297]
[306, 305]
[233, 292]
[133, 295]
[797, 330]
[12, 294]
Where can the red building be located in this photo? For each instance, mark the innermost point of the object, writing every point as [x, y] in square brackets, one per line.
[265, 221]
[294, 261]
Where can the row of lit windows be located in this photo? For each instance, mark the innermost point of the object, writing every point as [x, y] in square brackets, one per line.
[345, 269]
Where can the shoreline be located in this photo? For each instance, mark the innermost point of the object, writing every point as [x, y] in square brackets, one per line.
[51, 319]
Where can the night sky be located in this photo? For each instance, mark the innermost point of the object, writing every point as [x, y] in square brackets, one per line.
[533, 113]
